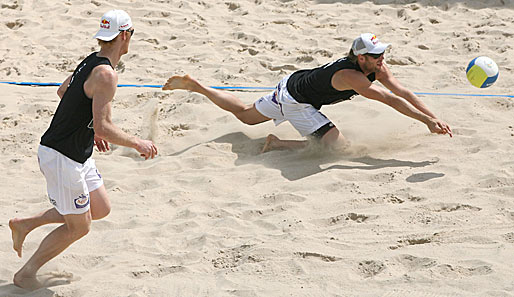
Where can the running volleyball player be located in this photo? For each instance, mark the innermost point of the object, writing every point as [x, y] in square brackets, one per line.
[83, 117]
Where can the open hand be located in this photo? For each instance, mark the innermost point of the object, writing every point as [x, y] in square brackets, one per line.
[439, 127]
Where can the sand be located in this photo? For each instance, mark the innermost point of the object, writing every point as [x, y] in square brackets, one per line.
[401, 213]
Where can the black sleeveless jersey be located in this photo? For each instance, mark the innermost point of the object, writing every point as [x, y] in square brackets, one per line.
[71, 130]
[314, 86]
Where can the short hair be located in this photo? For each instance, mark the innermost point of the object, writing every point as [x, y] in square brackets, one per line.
[103, 42]
[107, 43]
[352, 57]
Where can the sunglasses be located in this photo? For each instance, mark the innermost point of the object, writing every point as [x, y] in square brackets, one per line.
[130, 31]
[375, 56]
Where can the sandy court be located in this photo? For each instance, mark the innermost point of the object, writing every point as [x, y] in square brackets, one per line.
[401, 213]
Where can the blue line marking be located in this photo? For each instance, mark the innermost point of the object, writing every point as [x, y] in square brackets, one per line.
[247, 88]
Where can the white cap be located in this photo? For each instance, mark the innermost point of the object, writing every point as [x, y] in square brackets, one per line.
[112, 23]
[368, 43]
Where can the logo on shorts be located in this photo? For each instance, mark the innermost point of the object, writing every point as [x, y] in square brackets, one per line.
[54, 203]
[82, 201]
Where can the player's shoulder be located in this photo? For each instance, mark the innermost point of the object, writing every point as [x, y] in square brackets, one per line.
[104, 74]
[349, 72]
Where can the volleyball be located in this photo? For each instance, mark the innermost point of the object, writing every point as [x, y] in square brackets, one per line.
[482, 72]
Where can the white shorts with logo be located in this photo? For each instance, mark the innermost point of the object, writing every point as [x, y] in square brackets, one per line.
[68, 182]
[281, 106]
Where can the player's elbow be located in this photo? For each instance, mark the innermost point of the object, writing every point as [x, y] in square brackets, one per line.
[100, 130]
[60, 92]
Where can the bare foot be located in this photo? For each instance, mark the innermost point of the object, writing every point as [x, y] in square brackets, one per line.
[18, 232]
[270, 141]
[27, 282]
[180, 82]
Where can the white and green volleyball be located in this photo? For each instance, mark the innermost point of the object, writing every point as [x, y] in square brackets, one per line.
[482, 72]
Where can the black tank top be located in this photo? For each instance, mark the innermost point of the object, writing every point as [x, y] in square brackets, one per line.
[71, 130]
[314, 86]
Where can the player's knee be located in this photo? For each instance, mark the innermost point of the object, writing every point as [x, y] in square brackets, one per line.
[331, 137]
[245, 118]
[101, 213]
[328, 134]
[78, 231]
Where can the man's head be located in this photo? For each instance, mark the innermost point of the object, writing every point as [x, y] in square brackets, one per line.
[113, 24]
[368, 51]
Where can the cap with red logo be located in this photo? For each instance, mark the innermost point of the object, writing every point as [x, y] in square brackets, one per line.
[112, 23]
[368, 43]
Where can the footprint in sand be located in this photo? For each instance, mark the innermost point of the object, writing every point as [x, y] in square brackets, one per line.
[157, 272]
[279, 198]
[370, 268]
[509, 237]
[414, 240]
[451, 207]
[232, 6]
[353, 217]
[234, 257]
[11, 6]
[459, 271]
[413, 263]
[15, 25]
[322, 257]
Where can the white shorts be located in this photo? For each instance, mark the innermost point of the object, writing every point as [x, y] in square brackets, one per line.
[68, 182]
[281, 106]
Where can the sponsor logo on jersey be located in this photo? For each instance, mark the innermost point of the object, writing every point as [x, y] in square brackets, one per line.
[90, 125]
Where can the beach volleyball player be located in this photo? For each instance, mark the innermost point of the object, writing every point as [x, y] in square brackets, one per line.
[83, 118]
[298, 97]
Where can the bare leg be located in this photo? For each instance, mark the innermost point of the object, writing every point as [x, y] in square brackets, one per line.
[75, 227]
[274, 143]
[332, 139]
[20, 227]
[225, 100]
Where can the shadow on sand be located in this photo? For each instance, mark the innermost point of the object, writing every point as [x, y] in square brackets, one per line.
[47, 280]
[12, 291]
[295, 165]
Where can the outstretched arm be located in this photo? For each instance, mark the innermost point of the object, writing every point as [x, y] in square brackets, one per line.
[389, 81]
[365, 88]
